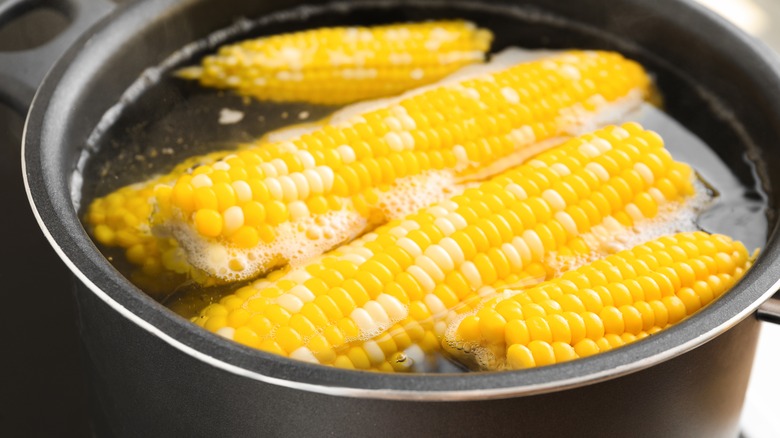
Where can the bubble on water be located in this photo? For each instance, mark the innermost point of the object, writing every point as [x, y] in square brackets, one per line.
[228, 116]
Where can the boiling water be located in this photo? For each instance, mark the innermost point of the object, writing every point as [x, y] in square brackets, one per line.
[174, 119]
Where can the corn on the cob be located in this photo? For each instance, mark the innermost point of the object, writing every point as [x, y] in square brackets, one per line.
[392, 288]
[344, 64]
[598, 307]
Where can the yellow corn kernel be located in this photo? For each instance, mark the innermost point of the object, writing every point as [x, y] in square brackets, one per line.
[246, 237]
[246, 336]
[208, 222]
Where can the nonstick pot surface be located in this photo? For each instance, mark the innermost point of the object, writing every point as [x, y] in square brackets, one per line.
[709, 84]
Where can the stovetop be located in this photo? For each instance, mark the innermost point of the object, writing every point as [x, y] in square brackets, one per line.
[42, 389]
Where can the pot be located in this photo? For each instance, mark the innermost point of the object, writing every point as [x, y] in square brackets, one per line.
[153, 373]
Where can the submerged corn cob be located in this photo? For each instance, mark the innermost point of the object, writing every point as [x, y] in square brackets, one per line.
[364, 303]
[601, 306]
[344, 64]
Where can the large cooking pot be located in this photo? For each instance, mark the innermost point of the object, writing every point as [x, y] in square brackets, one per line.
[152, 373]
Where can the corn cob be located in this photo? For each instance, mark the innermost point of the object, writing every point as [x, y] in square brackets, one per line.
[598, 307]
[344, 64]
[365, 302]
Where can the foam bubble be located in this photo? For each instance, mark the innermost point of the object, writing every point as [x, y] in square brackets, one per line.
[409, 194]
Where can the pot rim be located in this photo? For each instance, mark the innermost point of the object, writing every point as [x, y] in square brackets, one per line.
[56, 216]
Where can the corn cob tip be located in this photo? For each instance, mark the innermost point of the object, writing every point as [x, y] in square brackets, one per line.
[190, 73]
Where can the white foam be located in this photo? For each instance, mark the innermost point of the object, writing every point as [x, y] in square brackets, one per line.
[293, 244]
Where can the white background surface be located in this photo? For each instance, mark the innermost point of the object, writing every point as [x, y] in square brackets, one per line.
[761, 415]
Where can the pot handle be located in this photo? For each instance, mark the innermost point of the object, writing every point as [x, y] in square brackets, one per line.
[769, 311]
[21, 72]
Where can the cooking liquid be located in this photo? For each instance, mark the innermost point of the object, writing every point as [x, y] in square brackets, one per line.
[141, 140]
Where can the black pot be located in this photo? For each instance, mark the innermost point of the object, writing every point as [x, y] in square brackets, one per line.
[155, 374]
